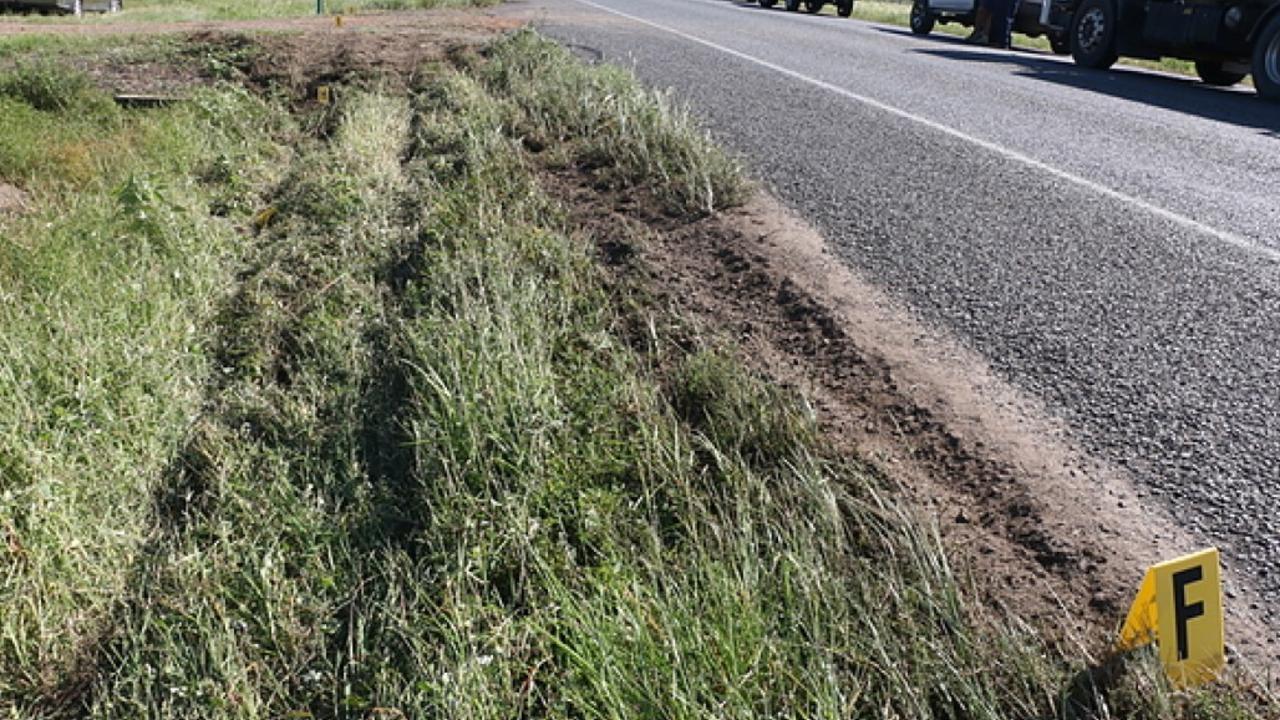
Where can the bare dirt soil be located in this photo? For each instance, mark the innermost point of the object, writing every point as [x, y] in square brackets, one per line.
[12, 200]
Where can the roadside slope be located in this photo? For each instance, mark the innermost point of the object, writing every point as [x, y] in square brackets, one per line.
[432, 460]
[1056, 226]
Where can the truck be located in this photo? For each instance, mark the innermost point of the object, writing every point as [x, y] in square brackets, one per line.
[68, 7]
[1034, 18]
[844, 8]
[1226, 39]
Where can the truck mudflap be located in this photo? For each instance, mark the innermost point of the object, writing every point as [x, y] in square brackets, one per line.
[1177, 25]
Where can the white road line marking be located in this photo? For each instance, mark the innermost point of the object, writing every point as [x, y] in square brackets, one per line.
[1173, 217]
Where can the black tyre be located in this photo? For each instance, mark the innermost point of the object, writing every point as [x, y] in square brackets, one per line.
[768, 3]
[844, 8]
[1093, 35]
[921, 19]
[1266, 61]
[793, 5]
[814, 6]
[1060, 44]
[1212, 73]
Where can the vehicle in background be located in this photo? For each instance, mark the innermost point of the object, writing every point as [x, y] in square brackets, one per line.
[1035, 18]
[844, 8]
[69, 7]
[1226, 39]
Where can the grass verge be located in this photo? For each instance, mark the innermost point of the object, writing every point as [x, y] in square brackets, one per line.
[106, 285]
[415, 463]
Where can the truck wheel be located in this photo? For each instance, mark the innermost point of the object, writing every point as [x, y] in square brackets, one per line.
[1060, 44]
[768, 3]
[793, 5]
[1212, 73]
[844, 8]
[1266, 61]
[921, 19]
[814, 6]
[1093, 35]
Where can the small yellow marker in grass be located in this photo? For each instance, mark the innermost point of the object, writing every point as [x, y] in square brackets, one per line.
[1179, 607]
[324, 95]
[263, 217]
[337, 21]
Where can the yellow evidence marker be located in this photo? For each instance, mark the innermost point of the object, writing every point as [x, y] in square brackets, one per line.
[324, 95]
[1179, 607]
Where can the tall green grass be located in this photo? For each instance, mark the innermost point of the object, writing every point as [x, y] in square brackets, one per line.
[459, 494]
[391, 452]
[104, 292]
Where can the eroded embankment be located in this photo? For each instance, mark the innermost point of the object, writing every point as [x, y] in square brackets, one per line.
[1047, 529]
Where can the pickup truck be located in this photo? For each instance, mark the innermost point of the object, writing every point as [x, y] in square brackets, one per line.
[69, 7]
[1226, 39]
[844, 8]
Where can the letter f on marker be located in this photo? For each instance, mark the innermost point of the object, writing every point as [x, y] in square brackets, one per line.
[1182, 612]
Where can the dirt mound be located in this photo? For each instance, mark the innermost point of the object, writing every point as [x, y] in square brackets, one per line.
[459, 22]
[298, 63]
[294, 55]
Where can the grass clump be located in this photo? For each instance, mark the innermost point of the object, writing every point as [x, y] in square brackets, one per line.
[50, 88]
[635, 137]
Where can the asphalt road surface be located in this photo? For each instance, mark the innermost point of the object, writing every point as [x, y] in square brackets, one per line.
[1109, 241]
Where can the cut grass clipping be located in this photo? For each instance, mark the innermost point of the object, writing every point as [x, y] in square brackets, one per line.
[407, 466]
